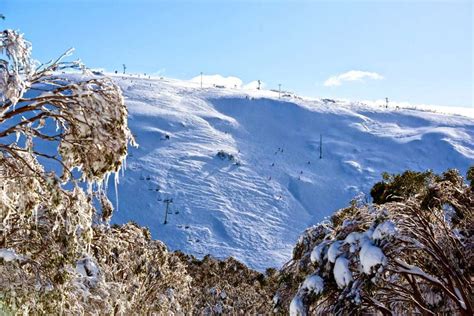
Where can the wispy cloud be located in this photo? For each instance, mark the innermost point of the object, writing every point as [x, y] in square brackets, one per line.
[352, 75]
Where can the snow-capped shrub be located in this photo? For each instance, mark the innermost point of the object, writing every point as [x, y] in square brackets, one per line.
[399, 257]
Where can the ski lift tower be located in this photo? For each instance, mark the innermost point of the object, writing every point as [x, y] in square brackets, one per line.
[168, 201]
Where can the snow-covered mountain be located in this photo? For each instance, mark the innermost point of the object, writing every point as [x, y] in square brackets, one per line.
[269, 182]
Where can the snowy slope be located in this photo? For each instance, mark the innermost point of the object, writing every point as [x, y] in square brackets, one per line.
[255, 210]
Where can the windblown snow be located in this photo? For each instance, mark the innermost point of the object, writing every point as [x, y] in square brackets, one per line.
[269, 183]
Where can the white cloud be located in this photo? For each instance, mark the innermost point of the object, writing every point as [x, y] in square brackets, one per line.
[352, 75]
[211, 80]
[228, 82]
[253, 85]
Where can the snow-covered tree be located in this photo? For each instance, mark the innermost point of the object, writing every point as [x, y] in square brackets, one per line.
[88, 114]
[75, 125]
[412, 254]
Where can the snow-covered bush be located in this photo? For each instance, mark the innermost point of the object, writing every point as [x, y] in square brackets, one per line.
[413, 255]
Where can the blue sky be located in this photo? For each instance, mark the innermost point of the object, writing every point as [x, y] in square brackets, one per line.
[415, 51]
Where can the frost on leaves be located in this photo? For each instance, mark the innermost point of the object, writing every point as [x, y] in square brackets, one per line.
[15, 69]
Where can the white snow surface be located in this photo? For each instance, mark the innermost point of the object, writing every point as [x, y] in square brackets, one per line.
[384, 230]
[334, 251]
[317, 255]
[255, 210]
[342, 274]
[9, 255]
[313, 283]
[87, 268]
[297, 307]
[370, 257]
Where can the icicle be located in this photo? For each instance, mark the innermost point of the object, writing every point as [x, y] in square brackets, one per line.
[117, 175]
[124, 166]
[106, 181]
[100, 186]
[89, 188]
[116, 181]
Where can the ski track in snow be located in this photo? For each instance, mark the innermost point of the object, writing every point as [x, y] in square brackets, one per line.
[256, 211]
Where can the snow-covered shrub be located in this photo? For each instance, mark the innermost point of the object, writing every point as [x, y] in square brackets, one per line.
[400, 257]
[225, 155]
[228, 287]
[139, 275]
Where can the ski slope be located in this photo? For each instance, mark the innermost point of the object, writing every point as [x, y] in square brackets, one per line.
[255, 206]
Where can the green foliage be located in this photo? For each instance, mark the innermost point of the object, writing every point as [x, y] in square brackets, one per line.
[395, 187]
[453, 176]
